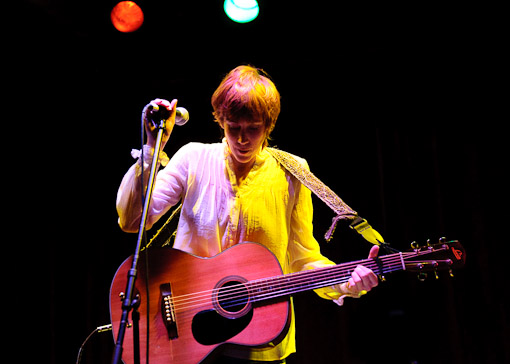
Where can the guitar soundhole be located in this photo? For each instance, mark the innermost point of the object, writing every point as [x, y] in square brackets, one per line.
[232, 299]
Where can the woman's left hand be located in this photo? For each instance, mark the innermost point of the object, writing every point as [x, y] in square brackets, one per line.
[362, 280]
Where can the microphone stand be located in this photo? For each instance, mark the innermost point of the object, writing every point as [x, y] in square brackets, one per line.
[130, 302]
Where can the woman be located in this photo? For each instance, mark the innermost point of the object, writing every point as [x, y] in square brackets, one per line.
[235, 191]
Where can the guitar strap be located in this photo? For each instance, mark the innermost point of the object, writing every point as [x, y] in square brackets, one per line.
[330, 198]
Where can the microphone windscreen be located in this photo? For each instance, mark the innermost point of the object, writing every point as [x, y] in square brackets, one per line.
[182, 116]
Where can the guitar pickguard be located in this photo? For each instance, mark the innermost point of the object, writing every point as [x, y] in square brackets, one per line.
[210, 328]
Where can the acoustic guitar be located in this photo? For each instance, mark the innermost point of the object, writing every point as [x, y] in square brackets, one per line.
[240, 297]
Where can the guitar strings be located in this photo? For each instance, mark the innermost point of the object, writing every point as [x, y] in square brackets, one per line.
[237, 292]
[274, 287]
[235, 300]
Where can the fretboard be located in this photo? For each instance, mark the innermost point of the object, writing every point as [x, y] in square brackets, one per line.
[270, 288]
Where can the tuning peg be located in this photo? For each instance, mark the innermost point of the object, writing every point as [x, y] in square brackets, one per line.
[382, 278]
[422, 276]
[450, 271]
[415, 245]
[435, 274]
[429, 244]
[442, 240]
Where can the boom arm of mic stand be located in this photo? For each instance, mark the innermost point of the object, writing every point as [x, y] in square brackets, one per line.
[127, 303]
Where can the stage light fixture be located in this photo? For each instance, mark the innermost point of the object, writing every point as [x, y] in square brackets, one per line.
[241, 11]
[127, 16]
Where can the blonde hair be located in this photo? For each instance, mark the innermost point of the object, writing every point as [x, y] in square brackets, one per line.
[247, 92]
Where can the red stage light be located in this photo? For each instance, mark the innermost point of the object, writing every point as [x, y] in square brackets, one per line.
[127, 16]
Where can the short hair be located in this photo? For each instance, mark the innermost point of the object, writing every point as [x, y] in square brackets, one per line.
[247, 92]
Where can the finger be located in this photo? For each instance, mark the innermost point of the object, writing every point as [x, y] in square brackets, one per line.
[170, 121]
[370, 281]
[374, 251]
[354, 281]
[154, 105]
[172, 106]
[368, 278]
[157, 103]
[364, 282]
[164, 103]
[349, 285]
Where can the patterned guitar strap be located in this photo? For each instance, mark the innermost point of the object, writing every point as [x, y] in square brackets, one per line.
[330, 198]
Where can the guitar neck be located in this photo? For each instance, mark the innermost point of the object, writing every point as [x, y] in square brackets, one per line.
[274, 287]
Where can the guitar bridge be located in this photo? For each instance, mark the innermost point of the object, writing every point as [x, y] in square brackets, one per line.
[168, 311]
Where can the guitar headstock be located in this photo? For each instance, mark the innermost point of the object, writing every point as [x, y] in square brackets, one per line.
[434, 257]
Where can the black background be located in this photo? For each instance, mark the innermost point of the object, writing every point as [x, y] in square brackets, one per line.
[394, 107]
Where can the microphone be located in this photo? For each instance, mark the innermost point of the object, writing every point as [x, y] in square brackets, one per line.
[157, 113]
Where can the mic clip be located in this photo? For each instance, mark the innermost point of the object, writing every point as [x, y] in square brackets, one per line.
[157, 116]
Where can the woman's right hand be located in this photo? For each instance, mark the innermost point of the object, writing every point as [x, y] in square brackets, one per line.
[151, 129]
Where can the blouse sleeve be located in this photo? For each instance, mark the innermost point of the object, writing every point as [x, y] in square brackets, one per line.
[168, 189]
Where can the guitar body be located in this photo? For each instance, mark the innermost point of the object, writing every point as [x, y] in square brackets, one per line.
[191, 319]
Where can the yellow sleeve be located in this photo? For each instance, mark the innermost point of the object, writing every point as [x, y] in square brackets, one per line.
[304, 250]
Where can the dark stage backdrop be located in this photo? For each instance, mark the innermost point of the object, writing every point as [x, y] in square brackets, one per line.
[393, 108]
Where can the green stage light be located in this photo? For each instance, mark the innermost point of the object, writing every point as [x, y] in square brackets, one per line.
[241, 11]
